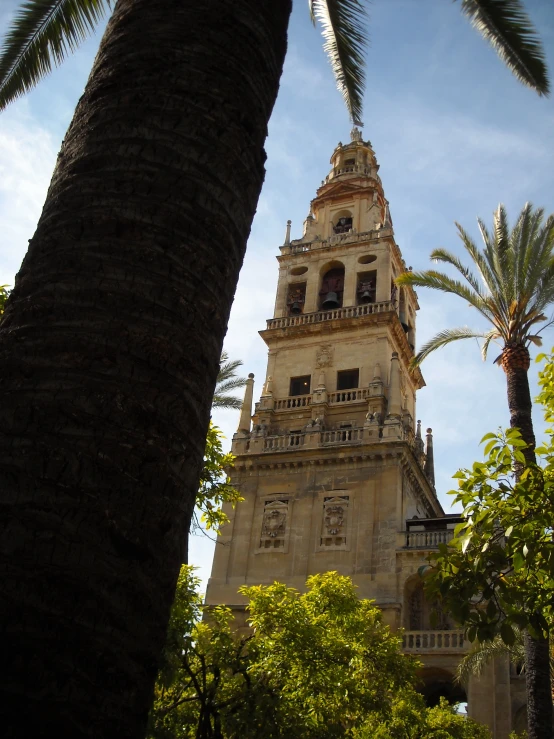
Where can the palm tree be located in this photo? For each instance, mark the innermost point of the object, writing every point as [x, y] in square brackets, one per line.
[516, 286]
[45, 30]
[110, 344]
[110, 348]
[226, 382]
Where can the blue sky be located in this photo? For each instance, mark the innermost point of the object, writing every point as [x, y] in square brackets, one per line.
[454, 133]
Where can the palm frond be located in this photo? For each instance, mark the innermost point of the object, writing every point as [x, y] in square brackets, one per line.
[503, 254]
[477, 257]
[506, 26]
[489, 337]
[442, 339]
[343, 28]
[226, 401]
[439, 281]
[226, 382]
[517, 269]
[228, 369]
[42, 33]
[483, 654]
[441, 255]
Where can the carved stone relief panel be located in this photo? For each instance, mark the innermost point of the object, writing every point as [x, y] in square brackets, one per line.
[335, 521]
[324, 356]
[274, 524]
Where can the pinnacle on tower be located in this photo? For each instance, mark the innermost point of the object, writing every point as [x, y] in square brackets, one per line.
[246, 410]
[429, 461]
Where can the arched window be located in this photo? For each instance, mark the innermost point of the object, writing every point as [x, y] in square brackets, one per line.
[332, 287]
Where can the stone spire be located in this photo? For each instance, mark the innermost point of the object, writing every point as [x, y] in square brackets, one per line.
[287, 233]
[429, 461]
[246, 410]
[395, 397]
[355, 134]
[418, 439]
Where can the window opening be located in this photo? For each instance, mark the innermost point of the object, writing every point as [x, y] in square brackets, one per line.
[347, 379]
[332, 287]
[300, 385]
[343, 225]
[367, 287]
[296, 298]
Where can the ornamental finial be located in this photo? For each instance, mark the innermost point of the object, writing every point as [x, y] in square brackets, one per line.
[355, 133]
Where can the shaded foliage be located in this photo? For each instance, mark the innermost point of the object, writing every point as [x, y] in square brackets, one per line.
[320, 664]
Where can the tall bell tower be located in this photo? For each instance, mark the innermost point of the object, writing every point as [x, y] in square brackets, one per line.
[332, 465]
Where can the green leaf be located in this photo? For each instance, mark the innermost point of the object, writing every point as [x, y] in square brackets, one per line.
[507, 634]
[490, 435]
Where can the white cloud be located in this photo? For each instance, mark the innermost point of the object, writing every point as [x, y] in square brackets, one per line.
[27, 159]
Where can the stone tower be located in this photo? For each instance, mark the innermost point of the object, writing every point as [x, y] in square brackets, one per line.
[334, 472]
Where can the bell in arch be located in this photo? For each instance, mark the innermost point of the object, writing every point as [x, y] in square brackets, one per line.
[296, 308]
[331, 301]
[365, 296]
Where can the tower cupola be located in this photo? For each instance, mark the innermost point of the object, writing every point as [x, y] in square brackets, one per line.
[353, 159]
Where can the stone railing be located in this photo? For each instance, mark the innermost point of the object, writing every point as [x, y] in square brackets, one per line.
[434, 641]
[294, 401]
[349, 396]
[350, 168]
[348, 237]
[353, 311]
[283, 443]
[428, 539]
[306, 246]
[341, 436]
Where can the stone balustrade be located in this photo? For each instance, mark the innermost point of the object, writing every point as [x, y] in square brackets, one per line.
[294, 401]
[428, 539]
[352, 311]
[283, 443]
[434, 641]
[369, 434]
[347, 237]
[349, 396]
[341, 436]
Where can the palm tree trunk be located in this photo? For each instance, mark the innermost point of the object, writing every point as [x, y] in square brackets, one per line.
[537, 651]
[109, 352]
[539, 691]
[520, 405]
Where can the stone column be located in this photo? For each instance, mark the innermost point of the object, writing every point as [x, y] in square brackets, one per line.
[395, 397]
[246, 411]
[429, 461]
[287, 234]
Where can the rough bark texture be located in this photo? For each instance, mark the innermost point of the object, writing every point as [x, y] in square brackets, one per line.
[109, 353]
[539, 691]
[520, 405]
[537, 652]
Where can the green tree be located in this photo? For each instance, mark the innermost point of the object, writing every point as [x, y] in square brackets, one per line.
[319, 664]
[497, 574]
[226, 382]
[215, 485]
[110, 344]
[516, 285]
